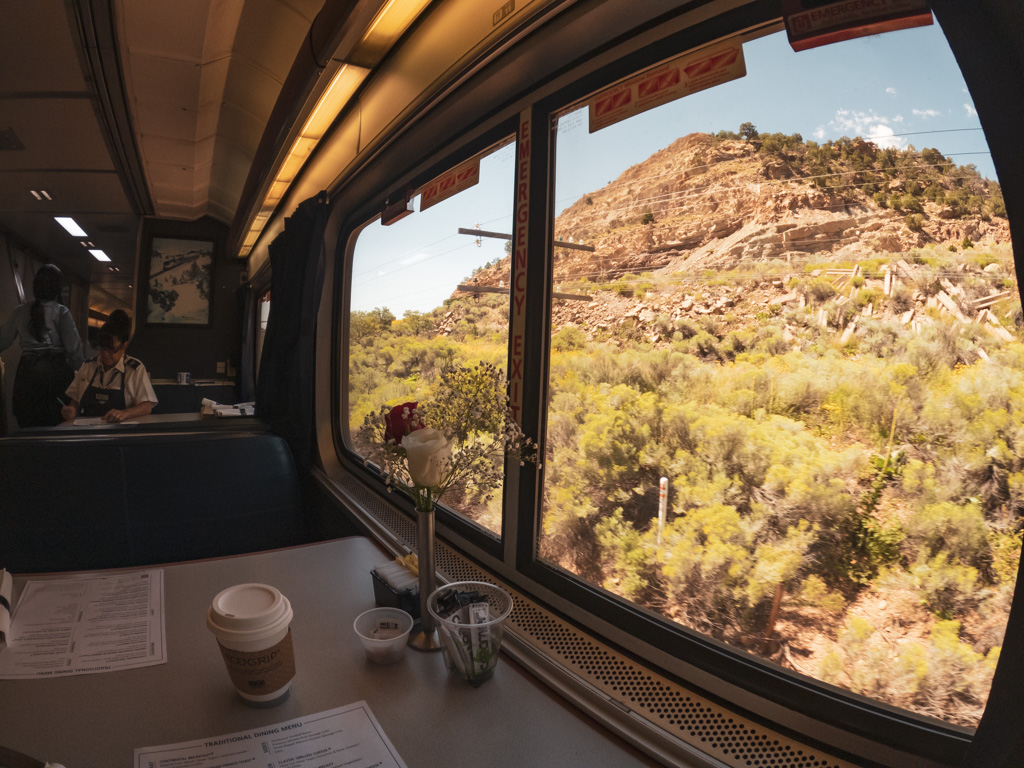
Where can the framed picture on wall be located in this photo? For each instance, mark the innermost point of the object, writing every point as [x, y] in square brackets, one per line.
[180, 277]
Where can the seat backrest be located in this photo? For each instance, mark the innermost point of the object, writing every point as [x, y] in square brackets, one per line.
[224, 495]
[83, 503]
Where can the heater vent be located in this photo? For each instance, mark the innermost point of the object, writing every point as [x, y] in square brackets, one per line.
[686, 722]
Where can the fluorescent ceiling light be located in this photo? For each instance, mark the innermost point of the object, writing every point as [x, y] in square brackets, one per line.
[70, 225]
[100, 255]
[342, 86]
[387, 26]
[390, 23]
[40, 194]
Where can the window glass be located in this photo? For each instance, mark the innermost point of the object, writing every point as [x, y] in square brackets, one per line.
[426, 296]
[262, 315]
[786, 385]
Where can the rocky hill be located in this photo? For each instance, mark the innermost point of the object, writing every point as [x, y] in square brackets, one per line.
[763, 210]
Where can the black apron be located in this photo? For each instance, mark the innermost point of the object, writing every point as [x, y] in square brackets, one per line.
[96, 401]
[39, 386]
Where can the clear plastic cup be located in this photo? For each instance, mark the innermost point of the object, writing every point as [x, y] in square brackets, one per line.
[384, 633]
[471, 635]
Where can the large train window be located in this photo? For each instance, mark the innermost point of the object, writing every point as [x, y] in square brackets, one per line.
[262, 316]
[430, 291]
[785, 375]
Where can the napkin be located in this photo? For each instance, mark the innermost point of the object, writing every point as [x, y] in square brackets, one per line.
[6, 590]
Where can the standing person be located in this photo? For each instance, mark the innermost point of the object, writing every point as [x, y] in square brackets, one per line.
[51, 351]
[112, 385]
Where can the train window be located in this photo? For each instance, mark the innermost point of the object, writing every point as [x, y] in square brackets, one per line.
[431, 291]
[262, 315]
[785, 380]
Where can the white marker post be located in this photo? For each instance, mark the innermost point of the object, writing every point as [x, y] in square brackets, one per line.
[662, 506]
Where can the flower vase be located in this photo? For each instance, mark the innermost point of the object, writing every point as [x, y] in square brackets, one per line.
[424, 633]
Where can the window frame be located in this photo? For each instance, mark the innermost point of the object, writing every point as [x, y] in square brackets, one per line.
[744, 683]
[446, 519]
[694, 652]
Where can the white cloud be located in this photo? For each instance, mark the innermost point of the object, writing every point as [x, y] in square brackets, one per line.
[413, 259]
[926, 113]
[819, 133]
[891, 91]
[971, 111]
[872, 127]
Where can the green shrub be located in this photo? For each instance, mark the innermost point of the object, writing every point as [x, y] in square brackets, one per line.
[815, 593]
[957, 531]
[942, 677]
[947, 589]
[568, 338]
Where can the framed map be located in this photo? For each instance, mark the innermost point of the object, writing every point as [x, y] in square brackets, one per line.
[179, 284]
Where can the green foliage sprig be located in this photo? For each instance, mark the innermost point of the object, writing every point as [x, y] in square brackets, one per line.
[471, 409]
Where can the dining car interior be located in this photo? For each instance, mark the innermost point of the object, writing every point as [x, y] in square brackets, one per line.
[677, 344]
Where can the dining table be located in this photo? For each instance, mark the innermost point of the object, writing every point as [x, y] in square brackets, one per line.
[432, 718]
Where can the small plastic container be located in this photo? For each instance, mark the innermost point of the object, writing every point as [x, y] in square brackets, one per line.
[384, 633]
[385, 596]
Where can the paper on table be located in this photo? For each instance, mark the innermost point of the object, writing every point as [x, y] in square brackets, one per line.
[86, 624]
[97, 421]
[349, 734]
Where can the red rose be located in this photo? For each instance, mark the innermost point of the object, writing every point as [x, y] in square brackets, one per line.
[400, 421]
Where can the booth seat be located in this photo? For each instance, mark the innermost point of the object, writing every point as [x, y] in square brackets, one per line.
[87, 502]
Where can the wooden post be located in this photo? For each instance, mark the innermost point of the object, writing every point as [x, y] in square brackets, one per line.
[771, 645]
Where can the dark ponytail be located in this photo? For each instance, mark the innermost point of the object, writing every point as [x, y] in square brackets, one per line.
[46, 286]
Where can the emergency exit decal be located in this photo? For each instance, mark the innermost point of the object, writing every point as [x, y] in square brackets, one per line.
[810, 23]
[667, 82]
[451, 183]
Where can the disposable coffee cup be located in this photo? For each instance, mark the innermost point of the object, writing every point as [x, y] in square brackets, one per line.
[184, 377]
[252, 625]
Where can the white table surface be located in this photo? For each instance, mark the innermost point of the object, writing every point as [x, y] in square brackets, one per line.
[433, 719]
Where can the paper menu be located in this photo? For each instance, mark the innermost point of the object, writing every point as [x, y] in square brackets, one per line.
[86, 624]
[97, 421]
[348, 736]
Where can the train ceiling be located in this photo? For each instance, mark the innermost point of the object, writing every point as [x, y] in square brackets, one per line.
[112, 111]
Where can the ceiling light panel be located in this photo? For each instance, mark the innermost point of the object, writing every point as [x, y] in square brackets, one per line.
[70, 225]
[344, 83]
[387, 26]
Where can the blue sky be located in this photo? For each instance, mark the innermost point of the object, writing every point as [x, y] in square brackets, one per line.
[899, 89]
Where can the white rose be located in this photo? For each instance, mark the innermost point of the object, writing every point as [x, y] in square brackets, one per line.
[428, 453]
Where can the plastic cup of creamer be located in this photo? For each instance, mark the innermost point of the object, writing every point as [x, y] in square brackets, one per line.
[252, 625]
[384, 633]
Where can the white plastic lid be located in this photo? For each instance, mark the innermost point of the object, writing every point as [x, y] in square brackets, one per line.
[247, 610]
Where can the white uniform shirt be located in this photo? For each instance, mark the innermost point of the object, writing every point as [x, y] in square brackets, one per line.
[137, 386]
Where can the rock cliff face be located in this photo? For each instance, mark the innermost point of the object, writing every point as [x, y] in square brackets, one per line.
[719, 204]
[705, 206]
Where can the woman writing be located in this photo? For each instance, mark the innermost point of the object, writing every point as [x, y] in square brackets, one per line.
[51, 351]
[112, 385]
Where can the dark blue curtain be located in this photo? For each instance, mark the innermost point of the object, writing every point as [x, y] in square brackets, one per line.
[284, 386]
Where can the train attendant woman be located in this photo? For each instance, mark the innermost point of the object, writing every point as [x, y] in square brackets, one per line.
[51, 351]
[112, 385]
